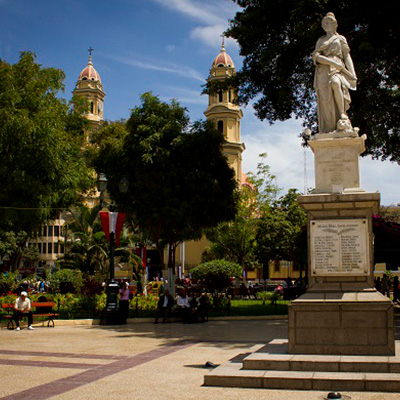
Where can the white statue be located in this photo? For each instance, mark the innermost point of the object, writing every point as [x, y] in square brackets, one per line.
[334, 76]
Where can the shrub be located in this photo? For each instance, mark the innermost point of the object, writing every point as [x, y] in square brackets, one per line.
[216, 274]
[272, 296]
[66, 281]
[92, 286]
[9, 282]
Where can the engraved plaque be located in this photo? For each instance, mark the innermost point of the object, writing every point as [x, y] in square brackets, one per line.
[339, 247]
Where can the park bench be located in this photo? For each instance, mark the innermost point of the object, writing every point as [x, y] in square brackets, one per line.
[43, 309]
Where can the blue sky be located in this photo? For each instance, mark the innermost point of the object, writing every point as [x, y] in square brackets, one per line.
[167, 47]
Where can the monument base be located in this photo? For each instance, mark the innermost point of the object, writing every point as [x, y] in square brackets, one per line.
[341, 313]
[342, 323]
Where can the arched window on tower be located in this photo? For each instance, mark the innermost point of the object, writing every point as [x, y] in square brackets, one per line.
[220, 126]
[91, 107]
[220, 96]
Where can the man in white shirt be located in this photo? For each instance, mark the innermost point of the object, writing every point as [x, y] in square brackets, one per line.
[22, 308]
[184, 306]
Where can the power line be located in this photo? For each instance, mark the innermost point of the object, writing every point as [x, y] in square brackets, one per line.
[33, 208]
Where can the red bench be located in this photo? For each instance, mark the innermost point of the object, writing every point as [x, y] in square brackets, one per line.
[39, 309]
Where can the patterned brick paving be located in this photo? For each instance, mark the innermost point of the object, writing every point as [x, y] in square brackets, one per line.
[63, 355]
[93, 372]
[48, 364]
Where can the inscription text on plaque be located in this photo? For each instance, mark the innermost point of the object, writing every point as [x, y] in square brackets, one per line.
[339, 247]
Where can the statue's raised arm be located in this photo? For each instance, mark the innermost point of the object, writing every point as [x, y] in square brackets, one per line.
[334, 76]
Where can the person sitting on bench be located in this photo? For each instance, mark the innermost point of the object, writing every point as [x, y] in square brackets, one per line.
[22, 308]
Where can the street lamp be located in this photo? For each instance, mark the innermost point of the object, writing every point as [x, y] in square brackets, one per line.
[111, 221]
[101, 186]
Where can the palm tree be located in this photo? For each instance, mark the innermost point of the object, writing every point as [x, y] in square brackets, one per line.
[88, 249]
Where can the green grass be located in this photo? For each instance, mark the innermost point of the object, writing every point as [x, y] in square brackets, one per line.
[253, 308]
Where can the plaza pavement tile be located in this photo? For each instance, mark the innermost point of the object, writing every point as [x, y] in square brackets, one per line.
[140, 361]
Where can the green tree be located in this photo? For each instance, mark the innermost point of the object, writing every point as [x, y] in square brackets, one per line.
[9, 282]
[216, 274]
[236, 240]
[87, 250]
[179, 181]
[276, 39]
[386, 240]
[279, 231]
[42, 167]
[15, 245]
[65, 281]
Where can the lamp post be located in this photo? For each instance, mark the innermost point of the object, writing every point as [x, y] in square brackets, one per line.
[110, 224]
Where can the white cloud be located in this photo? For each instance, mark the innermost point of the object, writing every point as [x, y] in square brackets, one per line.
[171, 48]
[211, 36]
[168, 67]
[382, 176]
[212, 14]
[203, 11]
[286, 159]
[186, 96]
[285, 156]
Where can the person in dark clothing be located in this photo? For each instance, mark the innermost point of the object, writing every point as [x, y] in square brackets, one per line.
[164, 307]
[385, 285]
[396, 291]
[378, 284]
[204, 303]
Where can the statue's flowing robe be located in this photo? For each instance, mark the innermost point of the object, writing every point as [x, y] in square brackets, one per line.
[337, 49]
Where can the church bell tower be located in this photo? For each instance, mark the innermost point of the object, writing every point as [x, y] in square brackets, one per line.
[225, 113]
[89, 86]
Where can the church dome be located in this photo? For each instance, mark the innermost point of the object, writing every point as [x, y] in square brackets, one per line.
[223, 59]
[89, 73]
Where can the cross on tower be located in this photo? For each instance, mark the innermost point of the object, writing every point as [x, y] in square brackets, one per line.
[223, 40]
[90, 50]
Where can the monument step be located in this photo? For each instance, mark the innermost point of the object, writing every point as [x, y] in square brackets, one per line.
[232, 375]
[322, 363]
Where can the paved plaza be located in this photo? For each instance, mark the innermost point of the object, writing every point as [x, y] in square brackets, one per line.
[137, 361]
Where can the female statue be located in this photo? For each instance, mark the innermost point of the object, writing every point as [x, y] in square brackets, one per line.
[334, 76]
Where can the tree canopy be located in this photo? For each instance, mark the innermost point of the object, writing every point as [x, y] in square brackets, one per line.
[42, 169]
[236, 240]
[276, 39]
[386, 241]
[282, 231]
[179, 180]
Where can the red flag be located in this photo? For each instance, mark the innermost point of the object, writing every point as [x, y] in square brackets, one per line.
[112, 222]
[144, 252]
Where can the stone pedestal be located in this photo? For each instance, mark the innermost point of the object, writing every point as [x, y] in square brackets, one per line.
[336, 162]
[341, 313]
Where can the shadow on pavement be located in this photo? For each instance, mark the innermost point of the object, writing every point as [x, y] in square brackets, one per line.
[212, 333]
